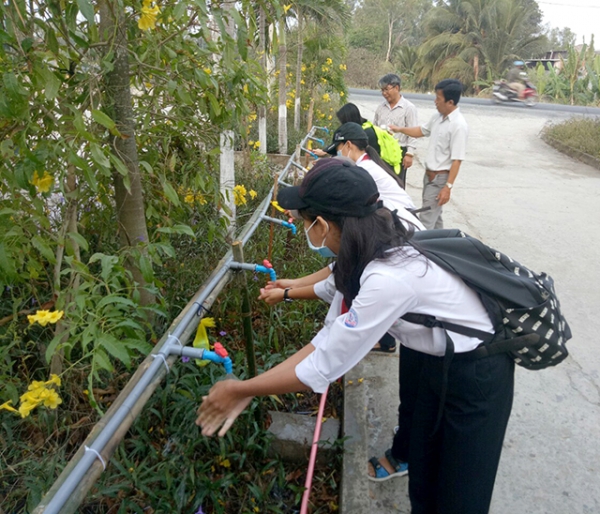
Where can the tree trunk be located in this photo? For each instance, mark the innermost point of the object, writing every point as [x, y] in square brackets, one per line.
[129, 198]
[227, 161]
[388, 55]
[476, 71]
[298, 73]
[66, 244]
[311, 110]
[227, 181]
[282, 133]
[262, 109]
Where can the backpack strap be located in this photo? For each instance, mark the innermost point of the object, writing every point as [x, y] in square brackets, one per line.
[432, 322]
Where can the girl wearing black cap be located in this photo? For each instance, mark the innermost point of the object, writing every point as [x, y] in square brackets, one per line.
[380, 277]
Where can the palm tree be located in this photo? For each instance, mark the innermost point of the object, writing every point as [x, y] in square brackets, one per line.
[330, 16]
[468, 39]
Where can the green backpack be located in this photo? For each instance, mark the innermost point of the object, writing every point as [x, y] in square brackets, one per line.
[389, 148]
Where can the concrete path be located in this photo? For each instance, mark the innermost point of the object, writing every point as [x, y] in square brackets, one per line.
[528, 200]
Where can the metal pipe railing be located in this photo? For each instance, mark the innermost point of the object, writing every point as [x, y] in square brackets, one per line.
[137, 394]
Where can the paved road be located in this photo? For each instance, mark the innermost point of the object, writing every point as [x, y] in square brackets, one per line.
[540, 206]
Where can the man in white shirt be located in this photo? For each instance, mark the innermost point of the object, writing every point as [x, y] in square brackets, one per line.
[397, 110]
[448, 131]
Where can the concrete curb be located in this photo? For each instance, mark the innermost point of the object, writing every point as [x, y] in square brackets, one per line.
[370, 414]
[354, 489]
[588, 159]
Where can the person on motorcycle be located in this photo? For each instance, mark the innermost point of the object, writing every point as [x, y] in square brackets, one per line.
[517, 78]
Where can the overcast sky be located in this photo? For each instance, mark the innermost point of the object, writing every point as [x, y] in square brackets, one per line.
[581, 16]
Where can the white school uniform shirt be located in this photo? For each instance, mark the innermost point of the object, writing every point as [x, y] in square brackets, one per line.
[393, 196]
[448, 140]
[389, 289]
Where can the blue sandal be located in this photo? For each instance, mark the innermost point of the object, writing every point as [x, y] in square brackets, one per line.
[382, 474]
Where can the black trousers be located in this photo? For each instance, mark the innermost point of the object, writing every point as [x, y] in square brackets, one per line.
[452, 471]
[410, 374]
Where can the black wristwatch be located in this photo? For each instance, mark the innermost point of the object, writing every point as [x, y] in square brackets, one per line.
[286, 298]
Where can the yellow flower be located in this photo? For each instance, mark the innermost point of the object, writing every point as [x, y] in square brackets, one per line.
[329, 61]
[239, 195]
[189, 198]
[303, 69]
[148, 17]
[35, 385]
[45, 317]
[324, 69]
[252, 117]
[207, 70]
[253, 194]
[256, 147]
[277, 206]
[302, 81]
[7, 407]
[330, 117]
[342, 94]
[343, 67]
[326, 97]
[38, 393]
[225, 463]
[51, 399]
[44, 183]
[25, 408]
[286, 8]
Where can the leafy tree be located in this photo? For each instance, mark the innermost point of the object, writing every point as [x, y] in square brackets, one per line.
[327, 16]
[84, 195]
[384, 25]
[561, 39]
[475, 38]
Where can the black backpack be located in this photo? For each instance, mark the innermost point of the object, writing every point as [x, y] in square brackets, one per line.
[522, 304]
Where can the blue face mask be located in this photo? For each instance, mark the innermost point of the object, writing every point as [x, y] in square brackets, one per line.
[322, 250]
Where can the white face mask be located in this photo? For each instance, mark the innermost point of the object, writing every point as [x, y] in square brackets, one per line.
[322, 250]
[341, 154]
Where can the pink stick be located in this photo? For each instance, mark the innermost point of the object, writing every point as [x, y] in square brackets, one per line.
[313, 454]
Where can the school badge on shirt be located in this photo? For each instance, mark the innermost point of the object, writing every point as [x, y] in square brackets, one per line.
[351, 319]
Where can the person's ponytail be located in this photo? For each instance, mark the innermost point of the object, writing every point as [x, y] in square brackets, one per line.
[362, 241]
[376, 158]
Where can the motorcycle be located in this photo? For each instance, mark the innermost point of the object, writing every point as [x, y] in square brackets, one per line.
[502, 92]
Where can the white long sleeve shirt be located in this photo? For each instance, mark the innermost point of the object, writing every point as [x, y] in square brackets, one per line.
[388, 290]
[392, 195]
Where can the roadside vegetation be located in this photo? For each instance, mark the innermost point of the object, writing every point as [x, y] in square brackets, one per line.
[581, 134]
[114, 210]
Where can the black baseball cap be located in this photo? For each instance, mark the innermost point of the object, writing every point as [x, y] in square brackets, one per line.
[347, 132]
[334, 187]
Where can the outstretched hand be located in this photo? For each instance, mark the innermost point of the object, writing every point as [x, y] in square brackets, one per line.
[221, 408]
[282, 283]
